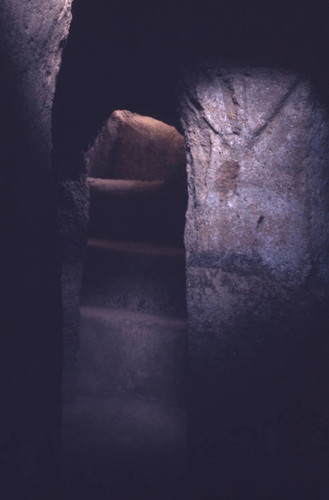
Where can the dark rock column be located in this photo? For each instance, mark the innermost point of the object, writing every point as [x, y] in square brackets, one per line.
[257, 241]
[31, 40]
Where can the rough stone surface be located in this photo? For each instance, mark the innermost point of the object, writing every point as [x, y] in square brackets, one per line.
[257, 241]
[31, 42]
[132, 354]
[131, 146]
[73, 205]
[124, 448]
[135, 277]
[138, 210]
[254, 142]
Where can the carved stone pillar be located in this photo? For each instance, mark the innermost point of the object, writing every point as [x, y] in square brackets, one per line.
[257, 241]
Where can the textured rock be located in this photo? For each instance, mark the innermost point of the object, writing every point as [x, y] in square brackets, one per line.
[131, 146]
[135, 277]
[73, 204]
[257, 241]
[254, 171]
[132, 354]
[31, 41]
[138, 210]
[32, 44]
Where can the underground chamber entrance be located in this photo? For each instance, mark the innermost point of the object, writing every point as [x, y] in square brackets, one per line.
[133, 314]
[133, 329]
[124, 427]
[124, 431]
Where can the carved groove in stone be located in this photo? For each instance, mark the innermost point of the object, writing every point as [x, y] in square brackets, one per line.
[275, 111]
[231, 104]
[230, 101]
[220, 135]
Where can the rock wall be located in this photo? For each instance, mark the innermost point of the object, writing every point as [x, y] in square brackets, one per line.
[131, 146]
[73, 208]
[257, 241]
[32, 35]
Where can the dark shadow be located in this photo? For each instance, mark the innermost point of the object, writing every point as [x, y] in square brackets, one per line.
[132, 353]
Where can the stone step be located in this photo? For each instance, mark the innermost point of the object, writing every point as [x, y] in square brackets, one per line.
[125, 353]
[151, 211]
[137, 277]
[123, 448]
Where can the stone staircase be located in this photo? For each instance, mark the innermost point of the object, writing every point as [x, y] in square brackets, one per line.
[133, 312]
[138, 210]
[129, 411]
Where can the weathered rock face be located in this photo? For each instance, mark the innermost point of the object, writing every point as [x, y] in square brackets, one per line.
[73, 205]
[131, 146]
[32, 44]
[257, 241]
[255, 172]
[31, 41]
